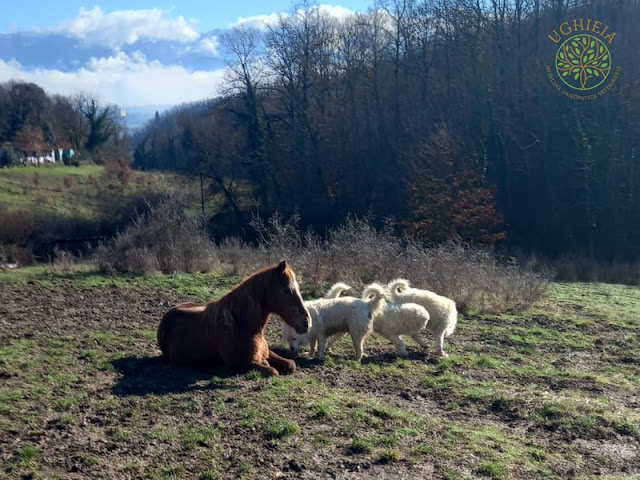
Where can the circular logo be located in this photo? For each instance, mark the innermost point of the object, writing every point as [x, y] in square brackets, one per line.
[583, 62]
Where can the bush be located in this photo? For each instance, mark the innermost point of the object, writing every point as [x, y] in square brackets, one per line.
[580, 268]
[8, 157]
[62, 261]
[358, 253]
[161, 239]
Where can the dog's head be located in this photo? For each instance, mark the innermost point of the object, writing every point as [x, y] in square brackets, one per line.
[294, 339]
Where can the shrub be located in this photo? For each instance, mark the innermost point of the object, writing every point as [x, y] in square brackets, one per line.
[358, 253]
[8, 157]
[162, 239]
[581, 268]
[63, 260]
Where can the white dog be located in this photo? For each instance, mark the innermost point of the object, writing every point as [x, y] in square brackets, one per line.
[442, 310]
[393, 320]
[335, 315]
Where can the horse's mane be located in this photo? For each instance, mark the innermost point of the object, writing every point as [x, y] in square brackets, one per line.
[247, 298]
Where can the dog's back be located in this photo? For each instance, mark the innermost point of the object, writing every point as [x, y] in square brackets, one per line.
[442, 310]
[401, 319]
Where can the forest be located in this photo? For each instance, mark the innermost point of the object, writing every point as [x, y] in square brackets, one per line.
[438, 113]
[443, 115]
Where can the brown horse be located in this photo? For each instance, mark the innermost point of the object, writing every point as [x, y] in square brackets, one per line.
[230, 331]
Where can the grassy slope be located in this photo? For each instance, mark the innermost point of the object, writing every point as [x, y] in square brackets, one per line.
[548, 393]
[43, 189]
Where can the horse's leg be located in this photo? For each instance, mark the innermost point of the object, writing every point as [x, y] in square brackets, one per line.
[250, 353]
[419, 341]
[264, 368]
[283, 365]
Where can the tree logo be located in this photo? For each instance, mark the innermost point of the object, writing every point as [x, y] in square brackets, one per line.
[583, 62]
[583, 59]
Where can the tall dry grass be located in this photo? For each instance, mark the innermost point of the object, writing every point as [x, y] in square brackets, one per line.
[358, 253]
[161, 239]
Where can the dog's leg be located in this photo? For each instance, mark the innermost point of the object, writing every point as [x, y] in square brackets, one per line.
[358, 345]
[322, 341]
[313, 345]
[283, 365]
[440, 344]
[333, 339]
[401, 348]
[419, 341]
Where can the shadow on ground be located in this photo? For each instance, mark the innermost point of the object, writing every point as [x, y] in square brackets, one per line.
[145, 375]
[303, 361]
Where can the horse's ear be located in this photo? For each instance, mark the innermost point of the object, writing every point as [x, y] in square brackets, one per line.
[282, 266]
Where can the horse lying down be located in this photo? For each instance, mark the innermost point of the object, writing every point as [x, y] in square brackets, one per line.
[335, 315]
[392, 320]
[230, 331]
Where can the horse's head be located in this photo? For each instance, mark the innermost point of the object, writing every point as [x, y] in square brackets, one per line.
[287, 301]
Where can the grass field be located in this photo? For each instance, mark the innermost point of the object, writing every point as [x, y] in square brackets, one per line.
[80, 192]
[552, 392]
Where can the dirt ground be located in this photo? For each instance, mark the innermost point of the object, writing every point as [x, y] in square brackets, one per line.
[85, 394]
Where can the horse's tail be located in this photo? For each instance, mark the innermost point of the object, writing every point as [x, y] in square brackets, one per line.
[398, 286]
[337, 289]
[375, 297]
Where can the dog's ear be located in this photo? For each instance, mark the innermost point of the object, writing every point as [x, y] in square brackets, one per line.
[282, 266]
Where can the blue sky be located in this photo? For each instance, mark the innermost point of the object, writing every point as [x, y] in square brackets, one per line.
[205, 15]
[136, 52]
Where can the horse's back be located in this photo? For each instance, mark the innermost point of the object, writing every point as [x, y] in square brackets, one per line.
[185, 335]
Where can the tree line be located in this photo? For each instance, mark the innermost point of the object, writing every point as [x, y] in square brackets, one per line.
[439, 113]
[33, 121]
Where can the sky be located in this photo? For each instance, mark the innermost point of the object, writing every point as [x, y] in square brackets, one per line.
[114, 54]
[33, 15]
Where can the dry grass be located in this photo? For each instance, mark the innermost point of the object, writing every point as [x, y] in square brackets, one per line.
[359, 253]
[162, 239]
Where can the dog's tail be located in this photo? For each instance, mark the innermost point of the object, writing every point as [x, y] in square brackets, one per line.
[337, 289]
[375, 296]
[398, 286]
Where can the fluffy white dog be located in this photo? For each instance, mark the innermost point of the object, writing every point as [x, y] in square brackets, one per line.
[442, 310]
[332, 316]
[392, 319]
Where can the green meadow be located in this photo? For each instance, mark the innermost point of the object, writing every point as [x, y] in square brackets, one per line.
[550, 392]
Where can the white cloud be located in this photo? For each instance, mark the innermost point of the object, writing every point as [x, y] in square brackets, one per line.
[124, 80]
[262, 22]
[337, 11]
[210, 44]
[124, 27]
